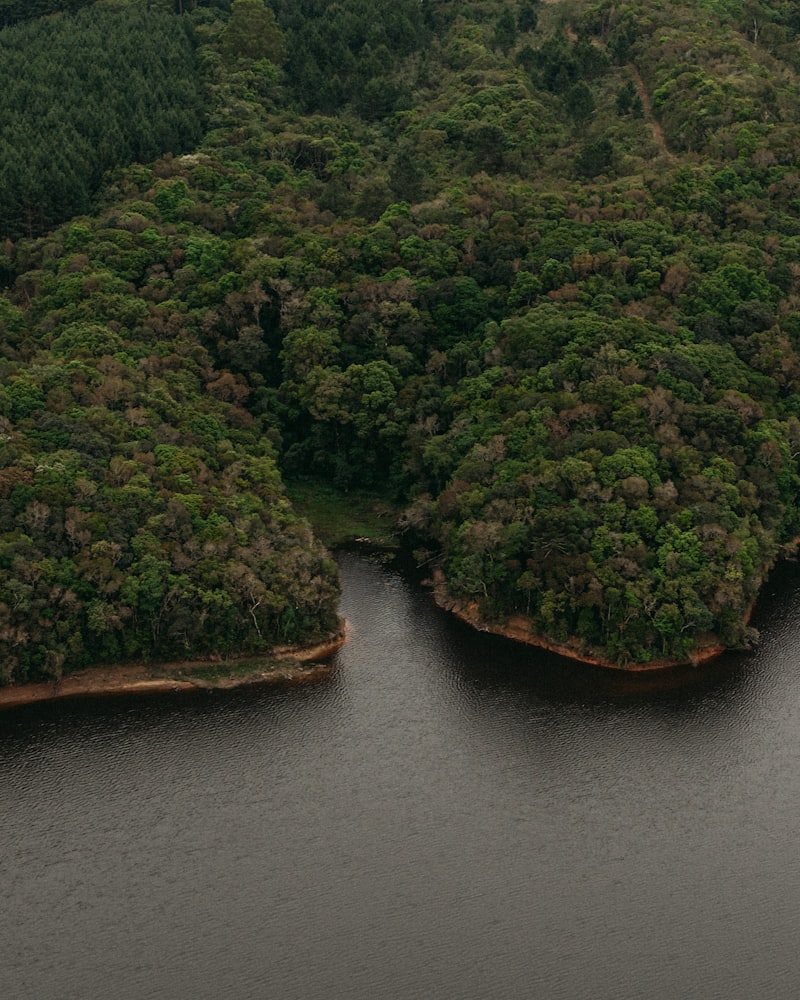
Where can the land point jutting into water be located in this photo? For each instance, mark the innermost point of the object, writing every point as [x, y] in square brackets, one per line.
[285, 665]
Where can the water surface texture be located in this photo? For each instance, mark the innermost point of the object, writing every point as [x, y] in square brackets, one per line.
[452, 816]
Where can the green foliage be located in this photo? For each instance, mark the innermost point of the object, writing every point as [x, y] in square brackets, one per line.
[579, 101]
[253, 33]
[14, 11]
[628, 101]
[505, 31]
[528, 16]
[349, 53]
[594, 158]
[65, 118]
[420, 256]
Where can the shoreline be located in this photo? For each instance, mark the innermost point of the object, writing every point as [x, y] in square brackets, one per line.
[517, 629]
[282, 665]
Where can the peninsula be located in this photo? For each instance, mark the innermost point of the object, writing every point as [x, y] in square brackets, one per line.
[288, 665]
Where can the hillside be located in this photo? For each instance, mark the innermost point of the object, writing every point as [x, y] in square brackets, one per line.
[531, 270]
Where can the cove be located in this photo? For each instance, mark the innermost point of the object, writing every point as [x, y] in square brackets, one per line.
[450, 815]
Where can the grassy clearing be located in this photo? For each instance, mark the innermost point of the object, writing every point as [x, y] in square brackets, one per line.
[338, 517]
[233, 673]
[227, 670]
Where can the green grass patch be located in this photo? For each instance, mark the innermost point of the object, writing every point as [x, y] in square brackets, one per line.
[338, 518]
[230, 669]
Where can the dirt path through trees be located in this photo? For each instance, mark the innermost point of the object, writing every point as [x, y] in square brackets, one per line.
[644, 97]
[641, 90]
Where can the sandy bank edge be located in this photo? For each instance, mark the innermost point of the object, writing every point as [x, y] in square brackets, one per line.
[285, 665]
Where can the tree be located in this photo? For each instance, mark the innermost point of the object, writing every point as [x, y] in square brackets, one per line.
[579, 102]
[594, 158]
[628, 100]
[528, 16]
[253, 33]
[505, 31]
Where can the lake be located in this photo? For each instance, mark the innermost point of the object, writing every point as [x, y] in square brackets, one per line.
[450, 816]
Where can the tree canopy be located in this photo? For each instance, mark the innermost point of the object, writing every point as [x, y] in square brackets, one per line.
[533, 277]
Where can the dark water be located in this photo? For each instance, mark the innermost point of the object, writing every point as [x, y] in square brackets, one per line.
[451, 817]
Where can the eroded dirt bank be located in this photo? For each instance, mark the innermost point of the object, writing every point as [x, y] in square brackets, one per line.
[518, 628]
[285, 665]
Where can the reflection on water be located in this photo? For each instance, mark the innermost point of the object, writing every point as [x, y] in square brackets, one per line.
[451, 815]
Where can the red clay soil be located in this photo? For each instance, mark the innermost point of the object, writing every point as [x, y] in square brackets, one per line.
[286, 665]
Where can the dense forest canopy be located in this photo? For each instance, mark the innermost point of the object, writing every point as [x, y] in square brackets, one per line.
[530, 269]
[83, 94]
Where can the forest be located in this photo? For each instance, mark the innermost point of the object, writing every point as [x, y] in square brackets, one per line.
[528, 270]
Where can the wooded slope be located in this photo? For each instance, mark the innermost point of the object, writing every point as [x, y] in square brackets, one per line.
[529, 268]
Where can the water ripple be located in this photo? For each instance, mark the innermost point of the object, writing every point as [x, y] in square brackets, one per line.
[452, 815]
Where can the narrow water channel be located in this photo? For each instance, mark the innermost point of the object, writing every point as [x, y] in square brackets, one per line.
[451, 816]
